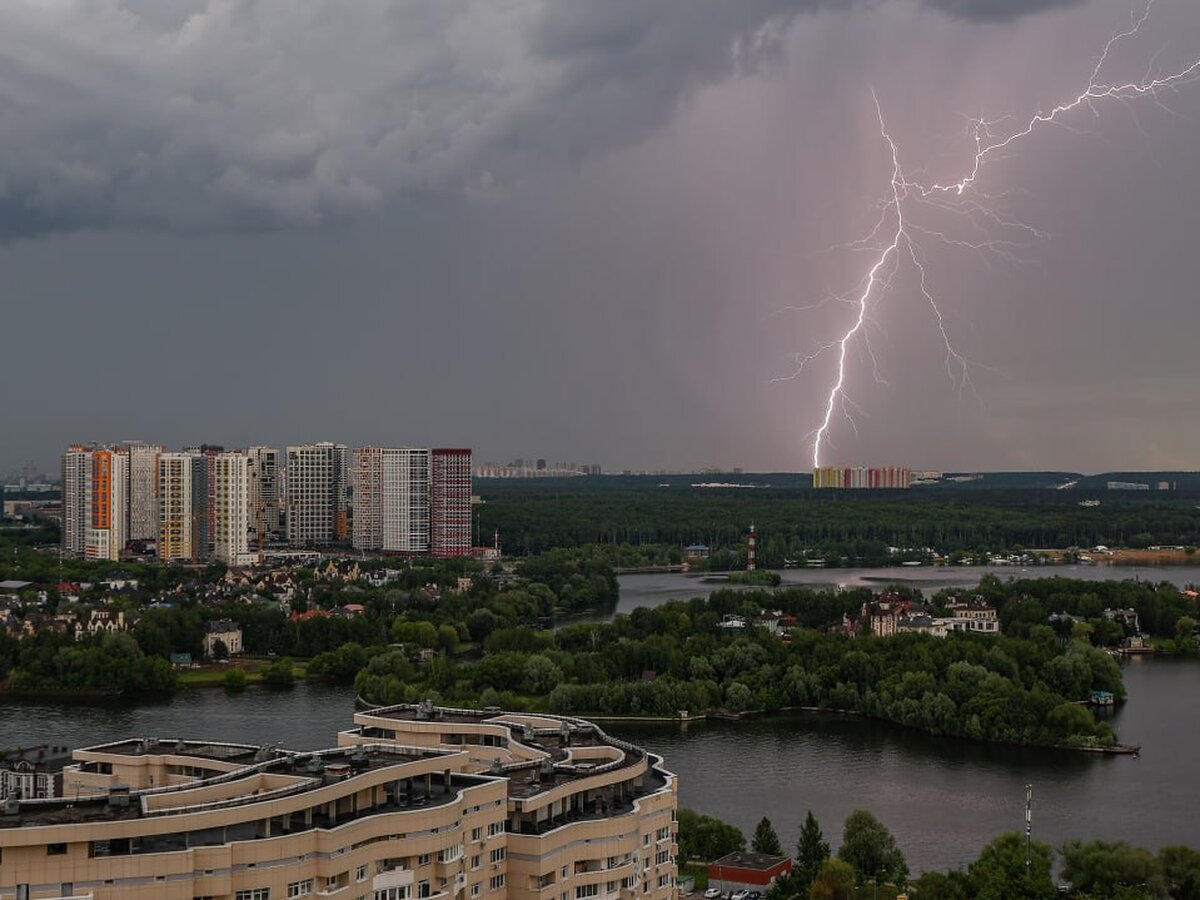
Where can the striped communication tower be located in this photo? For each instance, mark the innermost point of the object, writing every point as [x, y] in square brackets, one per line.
[751, 541]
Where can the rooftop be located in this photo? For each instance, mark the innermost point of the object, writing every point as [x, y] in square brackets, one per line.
[745, 859]
[281, 773]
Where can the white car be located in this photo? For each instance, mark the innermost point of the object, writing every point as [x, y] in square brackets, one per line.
[712, 894]
[740, 895]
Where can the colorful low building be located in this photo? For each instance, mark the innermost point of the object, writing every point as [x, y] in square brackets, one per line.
[747, 871]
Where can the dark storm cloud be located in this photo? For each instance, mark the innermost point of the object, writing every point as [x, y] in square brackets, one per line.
[215, 114]
[997, 10]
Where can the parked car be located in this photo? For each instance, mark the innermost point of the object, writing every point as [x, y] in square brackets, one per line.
[740, 895]
[712, 894]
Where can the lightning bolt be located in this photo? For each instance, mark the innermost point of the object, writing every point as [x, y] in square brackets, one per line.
[891, 242]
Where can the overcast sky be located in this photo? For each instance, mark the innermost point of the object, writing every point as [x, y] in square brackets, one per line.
[580, 229]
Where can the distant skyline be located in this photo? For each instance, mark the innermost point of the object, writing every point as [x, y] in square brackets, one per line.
[583, 230]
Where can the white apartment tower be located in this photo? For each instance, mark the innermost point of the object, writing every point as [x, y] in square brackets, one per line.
[316, 493]
[182, 480]
[406, 501]
[143, 497]
[232, 509]
[76, 465]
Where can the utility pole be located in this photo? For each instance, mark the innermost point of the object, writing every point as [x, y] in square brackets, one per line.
[1028, 826]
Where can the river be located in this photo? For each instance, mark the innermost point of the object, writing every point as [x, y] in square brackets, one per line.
[942, 798]
[659, 588]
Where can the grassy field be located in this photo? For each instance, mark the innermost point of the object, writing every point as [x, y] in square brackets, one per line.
[213, 674]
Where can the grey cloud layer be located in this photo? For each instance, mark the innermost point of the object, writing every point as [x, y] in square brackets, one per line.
[231, 113]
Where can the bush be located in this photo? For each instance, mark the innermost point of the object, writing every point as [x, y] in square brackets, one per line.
[235, 680]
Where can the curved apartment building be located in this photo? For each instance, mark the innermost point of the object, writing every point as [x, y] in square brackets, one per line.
[416, 802]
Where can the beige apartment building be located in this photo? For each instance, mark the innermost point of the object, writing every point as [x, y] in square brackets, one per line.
[416, 802]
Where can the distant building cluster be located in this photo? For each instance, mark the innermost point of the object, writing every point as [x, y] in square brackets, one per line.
[890, 614]
[206, 503]
[535, 468]
[861, 477]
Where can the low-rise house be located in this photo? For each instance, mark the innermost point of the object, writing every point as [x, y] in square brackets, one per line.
[1128, 618]
[743, 870]
[974, 616]
[227, 632]
[33, 773]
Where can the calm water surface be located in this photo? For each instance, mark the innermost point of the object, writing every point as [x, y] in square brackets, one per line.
[943, 798]
[657, 589]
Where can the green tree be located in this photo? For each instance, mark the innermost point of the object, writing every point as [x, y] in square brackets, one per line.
[765, 840]
[541, 675]
[999, 873]
[811, 851]
[707, 837]
[944, 886]
[235, 680]
[279, 672]
[869, 848]
[1181, 869]
[1185, 627]
[220, 651]
[1103, 868]
[834, 881]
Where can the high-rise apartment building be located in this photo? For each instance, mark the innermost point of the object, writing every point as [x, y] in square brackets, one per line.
[405, 501]
[316, 499]
[143, 501]
[450, 502]
[264, 492]
[412, 501]
[367, 481]
[95, 497]
[182, 494]
[232, 510]
[77, 514]
[107, 492]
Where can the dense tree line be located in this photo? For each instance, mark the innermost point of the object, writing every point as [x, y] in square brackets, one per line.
[870, 855]
[846, 527]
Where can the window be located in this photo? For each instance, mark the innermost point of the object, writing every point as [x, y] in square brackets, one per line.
[645, 840]
[661, 857]
[300, 888]
[394, 893]
[495, 828]
[56, 849]
[664, 880]
[475, 889]
[610, 887]
[477, 834]
[360, 874]
[253, 894]
[476, 860]
[497, 854]
[565, 872]
[663, 833]
[424, 859]
[587, 890]
[496, 882]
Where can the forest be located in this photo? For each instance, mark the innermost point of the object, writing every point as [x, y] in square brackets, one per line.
[837, 527]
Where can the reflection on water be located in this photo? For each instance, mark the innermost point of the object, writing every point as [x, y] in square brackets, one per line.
[656, 589]
[943, 798]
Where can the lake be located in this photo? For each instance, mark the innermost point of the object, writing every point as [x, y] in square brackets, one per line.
[943, 798]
